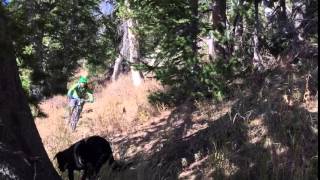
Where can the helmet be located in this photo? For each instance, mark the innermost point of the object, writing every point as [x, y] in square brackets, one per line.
[83, 80]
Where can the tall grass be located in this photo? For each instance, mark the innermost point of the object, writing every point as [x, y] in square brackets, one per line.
[264, 134]
[118, 107]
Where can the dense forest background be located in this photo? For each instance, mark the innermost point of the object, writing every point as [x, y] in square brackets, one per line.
[262, 54]
[196, 48]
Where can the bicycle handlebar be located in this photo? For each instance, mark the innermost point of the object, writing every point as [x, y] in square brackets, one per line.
[79, 100]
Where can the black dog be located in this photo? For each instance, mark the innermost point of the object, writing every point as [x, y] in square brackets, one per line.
[88, 154]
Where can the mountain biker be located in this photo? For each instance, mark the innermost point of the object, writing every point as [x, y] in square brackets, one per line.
[79, 93]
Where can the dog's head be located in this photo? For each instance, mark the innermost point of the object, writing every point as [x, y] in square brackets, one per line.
[62, 161]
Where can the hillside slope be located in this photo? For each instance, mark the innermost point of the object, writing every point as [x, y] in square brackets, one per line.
[264, 131]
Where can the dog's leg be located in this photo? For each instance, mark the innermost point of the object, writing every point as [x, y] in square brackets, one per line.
[91, 173]
[84, 176]
[95, 173]
[70, 174]
[88, 172]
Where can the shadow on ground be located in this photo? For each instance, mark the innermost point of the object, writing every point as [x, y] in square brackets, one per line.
[261, 137]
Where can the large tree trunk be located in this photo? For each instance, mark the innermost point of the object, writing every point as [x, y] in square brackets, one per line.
[194, 25]
[268, 10]
[238, 29]
[299, 11]
[283, 12]
[134, 57]
[219, 24]
[123, 50]
[116, 68]
[22, 155]
[257, 60]
[129, 49]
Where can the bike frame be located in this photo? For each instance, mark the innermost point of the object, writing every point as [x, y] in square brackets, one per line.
[75, 115]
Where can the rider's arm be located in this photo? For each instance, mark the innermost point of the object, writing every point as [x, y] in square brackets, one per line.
[90, 96]
[72, 90]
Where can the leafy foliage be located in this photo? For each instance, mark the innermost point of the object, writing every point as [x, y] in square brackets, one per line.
[174, 34]
[168, 32]
[54, 38]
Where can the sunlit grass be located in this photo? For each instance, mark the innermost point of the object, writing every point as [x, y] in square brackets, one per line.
[118, 107]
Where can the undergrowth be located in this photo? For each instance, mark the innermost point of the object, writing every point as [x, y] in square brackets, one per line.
[266, 130]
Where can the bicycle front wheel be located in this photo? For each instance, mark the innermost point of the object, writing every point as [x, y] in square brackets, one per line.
[75, 117]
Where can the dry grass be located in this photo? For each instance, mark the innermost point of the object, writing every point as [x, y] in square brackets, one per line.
[265, 132]
[118, 107]
[121, 105]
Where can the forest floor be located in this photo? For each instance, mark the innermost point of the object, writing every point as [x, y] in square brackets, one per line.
[262, 131]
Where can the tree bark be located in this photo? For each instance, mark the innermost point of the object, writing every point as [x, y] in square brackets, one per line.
[268, 10]
[194, 25]
[134, 57]
[129, 49]
[116, 68]
[22, 155]
[238, 29]
[209, 42]
[299, 11]
[283, 12]
[123, 50]
[257, 60]
[219, 24]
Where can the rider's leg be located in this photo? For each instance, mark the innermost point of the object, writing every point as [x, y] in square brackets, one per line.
[70, 109]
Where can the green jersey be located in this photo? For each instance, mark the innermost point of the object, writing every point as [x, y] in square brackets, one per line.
[76, 91]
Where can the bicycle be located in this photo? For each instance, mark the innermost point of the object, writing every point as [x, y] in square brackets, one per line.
[75, 114]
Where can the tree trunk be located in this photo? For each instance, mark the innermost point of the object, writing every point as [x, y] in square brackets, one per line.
[299, 11]
[238, 28]
[134, 57]
[22, 155]
[283, 12]
[209, 42]
[194, 25]
[257, 60]
[268, 10]
[238, 35]
[123, 50]
[116, 68]
[219, 25]
[129, 49]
